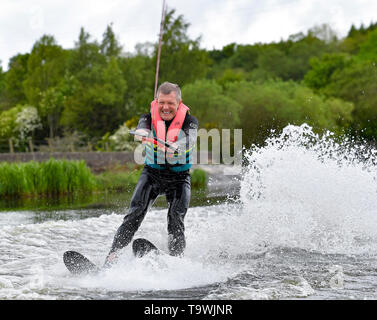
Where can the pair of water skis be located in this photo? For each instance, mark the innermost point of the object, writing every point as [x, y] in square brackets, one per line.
[78, 264]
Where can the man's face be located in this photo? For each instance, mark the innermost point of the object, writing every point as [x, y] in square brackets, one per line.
[167, 105]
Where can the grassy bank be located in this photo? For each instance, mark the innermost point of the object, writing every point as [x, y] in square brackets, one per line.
[60, 177]
[199, 179]
[118, 180]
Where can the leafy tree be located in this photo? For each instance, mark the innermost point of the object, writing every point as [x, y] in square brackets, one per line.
[138, 72]
[97, 108]
[51, 107]
[8, 123]
[2, 86]
[355, 37]
[273, 61]
[289, 60]
[209, 104]
[352, 78]
[225, 53]
[230, 75]
[95, 105]
[324, 33]
[182, 61]
[14, 78]
[110, 46]
[323, 68]
[92, 89]
[85, 60]
[358, 83]
[368, 49]
[27, 121]
[18, 123]
[121, 140]
[46, 66]
[273, 105]
[245, 57]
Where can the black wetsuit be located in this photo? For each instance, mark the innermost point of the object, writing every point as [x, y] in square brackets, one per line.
[176, 186]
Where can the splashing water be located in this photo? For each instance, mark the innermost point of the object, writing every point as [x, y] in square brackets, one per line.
[304, 225]
[303, 190]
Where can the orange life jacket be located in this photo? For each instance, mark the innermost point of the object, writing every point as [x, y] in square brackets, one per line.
[159, 126]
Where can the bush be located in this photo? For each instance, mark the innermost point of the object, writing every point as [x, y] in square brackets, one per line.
[272, 105]
[199, 178]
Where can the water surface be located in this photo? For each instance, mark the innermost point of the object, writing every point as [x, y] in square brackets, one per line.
[302, 226]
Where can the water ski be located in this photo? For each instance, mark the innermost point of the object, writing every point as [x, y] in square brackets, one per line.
[141, 247]
[76, 263]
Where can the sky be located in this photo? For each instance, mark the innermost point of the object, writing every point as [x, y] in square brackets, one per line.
[217, 22]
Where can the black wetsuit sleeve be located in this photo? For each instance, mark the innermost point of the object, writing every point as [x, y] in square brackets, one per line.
[144, 122]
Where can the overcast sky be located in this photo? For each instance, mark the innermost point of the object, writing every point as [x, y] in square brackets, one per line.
[218, 22]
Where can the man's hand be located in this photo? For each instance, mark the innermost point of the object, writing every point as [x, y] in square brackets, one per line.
[170, 152]
[141, 132]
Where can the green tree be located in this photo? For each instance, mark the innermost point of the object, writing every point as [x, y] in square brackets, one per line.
[51, 107]
[96, 103]
[225, 53]
[323, 68]
[274, 104]
[230, 75]
[209, 104]
[246, 57]
[358, 84]
[27, 121]
[355, 37]
[18, 123]
[289, 60]
[138, 72]
[220, 60]
[14, 79]
[2, 87]
[368, 49]
[110, 46]
[85, 61]
[97, 108]
[273, 61]
[8, 123]
[46, 67]
[182, 61]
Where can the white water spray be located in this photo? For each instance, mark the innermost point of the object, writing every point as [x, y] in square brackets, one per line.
[303, 190]
[299, 191]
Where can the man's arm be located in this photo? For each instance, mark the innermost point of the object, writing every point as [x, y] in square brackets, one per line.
[143, 127]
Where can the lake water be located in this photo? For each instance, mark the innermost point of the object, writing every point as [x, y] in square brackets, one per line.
[302, 224]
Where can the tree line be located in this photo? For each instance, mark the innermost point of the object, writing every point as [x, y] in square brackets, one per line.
[90, 93]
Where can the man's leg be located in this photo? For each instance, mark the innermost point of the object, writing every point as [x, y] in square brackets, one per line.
[145, 193]
[178, 197]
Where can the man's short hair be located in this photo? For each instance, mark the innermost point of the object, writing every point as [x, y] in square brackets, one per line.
[167, 87]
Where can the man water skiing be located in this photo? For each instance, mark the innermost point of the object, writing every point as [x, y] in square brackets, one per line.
[166, 171]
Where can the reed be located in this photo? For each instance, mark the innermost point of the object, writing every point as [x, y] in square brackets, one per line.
[58, 177]
[52, 177]
[12, 180]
